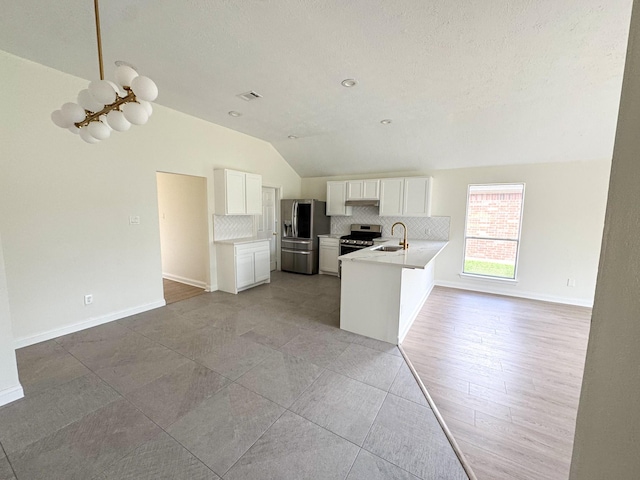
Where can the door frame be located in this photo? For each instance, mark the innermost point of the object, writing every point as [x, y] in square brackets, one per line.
[208, 287]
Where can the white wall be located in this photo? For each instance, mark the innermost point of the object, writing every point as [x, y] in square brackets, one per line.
[184, 239]
[10, 388]
[65, 205]
[561, 233]
[607, 439]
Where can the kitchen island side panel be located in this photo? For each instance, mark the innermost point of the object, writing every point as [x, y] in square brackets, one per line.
[416, 288]
[370, 300]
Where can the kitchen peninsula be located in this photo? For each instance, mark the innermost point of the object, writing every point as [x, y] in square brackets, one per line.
[383, 291]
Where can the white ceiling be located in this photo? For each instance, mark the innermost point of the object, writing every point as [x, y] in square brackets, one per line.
[466, 82]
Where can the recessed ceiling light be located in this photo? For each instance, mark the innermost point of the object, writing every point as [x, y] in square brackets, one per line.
[292, 137]
[233, 113]
[386, 121]
[349, 82]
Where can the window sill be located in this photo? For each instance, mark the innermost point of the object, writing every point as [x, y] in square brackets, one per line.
[508, 281]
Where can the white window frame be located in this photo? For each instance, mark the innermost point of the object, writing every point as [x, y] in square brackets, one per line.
[518, 240]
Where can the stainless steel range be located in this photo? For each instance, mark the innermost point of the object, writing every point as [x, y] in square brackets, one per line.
[361, 236]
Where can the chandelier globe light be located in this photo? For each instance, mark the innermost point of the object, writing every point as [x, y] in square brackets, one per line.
[107, 106]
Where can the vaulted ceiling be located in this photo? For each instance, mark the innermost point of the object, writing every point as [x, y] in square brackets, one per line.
[465, 82]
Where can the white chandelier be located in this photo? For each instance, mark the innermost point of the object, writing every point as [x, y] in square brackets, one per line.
[105, 105]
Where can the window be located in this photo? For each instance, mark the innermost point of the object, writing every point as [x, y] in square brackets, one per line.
[492, 232]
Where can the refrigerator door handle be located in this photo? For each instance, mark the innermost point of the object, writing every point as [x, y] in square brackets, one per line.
[294, 219]
[301, 252]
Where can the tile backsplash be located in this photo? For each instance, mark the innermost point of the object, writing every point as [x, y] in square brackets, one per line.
[227, 227]
[424, 228]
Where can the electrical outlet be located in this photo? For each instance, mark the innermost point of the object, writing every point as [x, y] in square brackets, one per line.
[88, 299]
[571, 282]
[134, 220]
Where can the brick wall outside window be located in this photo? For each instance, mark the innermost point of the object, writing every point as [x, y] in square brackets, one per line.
[493, 211]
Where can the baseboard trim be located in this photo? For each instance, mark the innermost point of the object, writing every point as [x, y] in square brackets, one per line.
[452, 441]
[579, 302]
[186, 281]
[92, 322]
[11, 394]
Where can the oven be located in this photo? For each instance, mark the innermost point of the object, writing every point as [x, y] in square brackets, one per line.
[361, 236]
[344, 249]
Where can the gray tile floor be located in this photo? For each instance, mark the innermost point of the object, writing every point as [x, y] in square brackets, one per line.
[260, 385]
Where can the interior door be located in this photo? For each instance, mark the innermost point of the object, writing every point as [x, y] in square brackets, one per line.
[267, 222]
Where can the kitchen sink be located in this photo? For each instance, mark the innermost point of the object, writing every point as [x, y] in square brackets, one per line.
[388, 248]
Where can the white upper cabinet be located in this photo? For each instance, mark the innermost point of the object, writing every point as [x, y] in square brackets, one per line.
[417, 197]
[391, 197]
[237, 193]
[363, 189]
[405, 197]
[336, 196]
[254, 194]
[399, 197]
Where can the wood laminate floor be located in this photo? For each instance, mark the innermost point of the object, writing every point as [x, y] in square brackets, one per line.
[176, 291]
[505, 374]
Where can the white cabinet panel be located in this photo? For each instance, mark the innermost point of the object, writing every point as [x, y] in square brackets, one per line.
[391, 197]
[336, 196]
[237, 193]
[417, 197]
[245, 273]
[262, 265]
[363, 189]
[355, 190]
[329, 252]
[371, 189]
[253, 187]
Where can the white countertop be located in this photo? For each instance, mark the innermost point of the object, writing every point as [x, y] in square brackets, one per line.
[239, 241]
[330, 235]
[419, 254]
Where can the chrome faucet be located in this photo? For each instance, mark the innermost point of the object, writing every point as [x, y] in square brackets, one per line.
[404, 242]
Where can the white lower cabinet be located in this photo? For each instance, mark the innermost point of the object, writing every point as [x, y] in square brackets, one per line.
[242, 266]
[329, 252]
[262, 265]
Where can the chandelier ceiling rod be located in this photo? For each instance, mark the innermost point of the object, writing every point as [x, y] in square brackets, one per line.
[97, 11]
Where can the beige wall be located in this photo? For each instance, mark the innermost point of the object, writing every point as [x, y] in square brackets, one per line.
[607, 439]
[65, 205]
[561, 233]
[182, 209]
[10, 388]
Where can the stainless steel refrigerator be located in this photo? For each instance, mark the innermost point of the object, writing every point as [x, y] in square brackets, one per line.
[302, 222]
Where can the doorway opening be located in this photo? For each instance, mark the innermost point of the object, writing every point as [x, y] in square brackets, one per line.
[184, 244]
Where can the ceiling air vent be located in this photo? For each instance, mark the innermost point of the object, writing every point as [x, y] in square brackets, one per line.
[248, 96]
